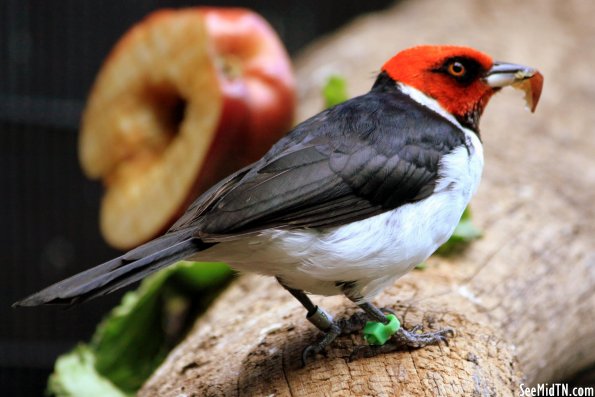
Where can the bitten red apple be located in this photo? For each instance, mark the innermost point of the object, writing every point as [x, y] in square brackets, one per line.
[184, 98]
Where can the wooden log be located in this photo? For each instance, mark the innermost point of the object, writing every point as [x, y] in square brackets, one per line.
[522, 299]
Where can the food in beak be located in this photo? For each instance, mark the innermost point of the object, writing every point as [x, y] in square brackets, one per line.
[531, 84]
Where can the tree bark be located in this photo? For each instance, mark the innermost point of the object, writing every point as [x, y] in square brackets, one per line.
[522, 299]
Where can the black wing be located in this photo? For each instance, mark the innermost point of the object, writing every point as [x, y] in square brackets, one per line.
[366, 156]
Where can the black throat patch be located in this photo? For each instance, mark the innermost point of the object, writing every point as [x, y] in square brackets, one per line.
[384, 83]
[471, 120]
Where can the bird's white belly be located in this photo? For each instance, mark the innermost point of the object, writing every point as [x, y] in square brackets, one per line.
[372, 252]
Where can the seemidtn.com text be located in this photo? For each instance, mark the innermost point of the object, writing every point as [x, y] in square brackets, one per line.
[556, 389]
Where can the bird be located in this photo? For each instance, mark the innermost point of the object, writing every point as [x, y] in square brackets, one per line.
[347, 201]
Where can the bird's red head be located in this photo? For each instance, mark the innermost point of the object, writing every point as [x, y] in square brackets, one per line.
[449, 74]
[461, 79]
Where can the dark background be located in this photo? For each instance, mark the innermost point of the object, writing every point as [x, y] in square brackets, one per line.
[50, 52]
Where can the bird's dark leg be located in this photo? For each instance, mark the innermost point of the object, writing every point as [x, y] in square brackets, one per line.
[320, 319]
[371, 312]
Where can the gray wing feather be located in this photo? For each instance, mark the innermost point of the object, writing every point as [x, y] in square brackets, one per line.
[343, 165]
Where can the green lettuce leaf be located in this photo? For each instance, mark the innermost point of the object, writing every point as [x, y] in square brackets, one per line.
[135, 336]
[334, 91]
[75, 375]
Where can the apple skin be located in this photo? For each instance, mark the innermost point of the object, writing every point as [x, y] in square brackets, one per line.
[248, 98]
[254, 66]
[258, 92]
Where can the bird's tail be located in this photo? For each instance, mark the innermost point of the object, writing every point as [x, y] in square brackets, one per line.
[119, 272]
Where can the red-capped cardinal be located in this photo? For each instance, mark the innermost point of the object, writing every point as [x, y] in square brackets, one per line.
[349, 200]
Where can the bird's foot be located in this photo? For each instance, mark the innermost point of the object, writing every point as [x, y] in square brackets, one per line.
[416, 339]
[330, 335]
[345, 326]
[403, 338]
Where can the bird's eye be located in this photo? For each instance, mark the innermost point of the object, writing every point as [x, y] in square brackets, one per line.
[456, 69]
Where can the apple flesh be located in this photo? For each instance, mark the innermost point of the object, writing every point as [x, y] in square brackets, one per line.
[167, 117]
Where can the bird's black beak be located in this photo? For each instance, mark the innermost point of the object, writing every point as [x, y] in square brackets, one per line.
[521, 77]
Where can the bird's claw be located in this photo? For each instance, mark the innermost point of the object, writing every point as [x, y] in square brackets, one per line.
[404, 338]
[320, 346]
[415, 339]
[310, 351]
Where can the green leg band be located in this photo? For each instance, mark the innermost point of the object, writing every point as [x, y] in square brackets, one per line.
[376, 333]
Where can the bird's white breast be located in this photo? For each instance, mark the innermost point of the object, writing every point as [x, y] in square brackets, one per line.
[372, 252]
